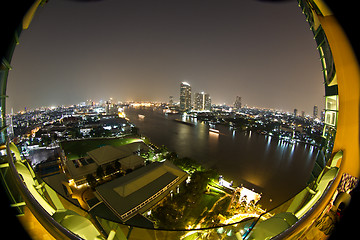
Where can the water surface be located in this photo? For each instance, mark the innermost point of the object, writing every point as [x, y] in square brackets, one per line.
[276, 168]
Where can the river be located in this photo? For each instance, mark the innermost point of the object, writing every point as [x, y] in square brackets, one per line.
[275, 168]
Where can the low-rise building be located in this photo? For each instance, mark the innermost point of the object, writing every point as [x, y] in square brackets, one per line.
[139, 190]
[103, 156]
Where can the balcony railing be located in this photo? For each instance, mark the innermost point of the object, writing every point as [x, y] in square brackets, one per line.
[67, 220]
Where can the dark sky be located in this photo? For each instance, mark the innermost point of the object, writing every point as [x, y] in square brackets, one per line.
[143, 50]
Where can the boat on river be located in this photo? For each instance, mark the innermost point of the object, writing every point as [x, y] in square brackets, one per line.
[214, 130]
[183, 122]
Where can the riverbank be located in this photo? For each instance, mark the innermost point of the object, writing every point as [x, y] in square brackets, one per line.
[264, 163]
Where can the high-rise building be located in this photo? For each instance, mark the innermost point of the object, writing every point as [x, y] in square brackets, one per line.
[207, 100]
[110, 107]
[185, 97]
[237, 104]
[89, 102]
[171, 100]
[315, 111]
[295, 112]
[202, 101]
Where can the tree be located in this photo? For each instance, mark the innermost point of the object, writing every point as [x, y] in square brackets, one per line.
[45, 140]
[100, 172]
[129, 170]
[109, 169]
[99, 132]
[91, 180]
[75, 132]
[172, 156]
[135, 131]
[163, 149]
[151, 155]
[117, 166]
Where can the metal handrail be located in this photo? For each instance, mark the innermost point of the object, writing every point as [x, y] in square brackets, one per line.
[46, 220]
[306, 216]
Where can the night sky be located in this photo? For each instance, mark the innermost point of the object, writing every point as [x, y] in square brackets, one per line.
[142, 51]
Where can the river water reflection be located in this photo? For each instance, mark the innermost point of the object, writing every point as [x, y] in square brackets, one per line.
[276, 168]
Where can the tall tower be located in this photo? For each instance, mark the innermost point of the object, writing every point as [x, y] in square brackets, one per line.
[237, 103]
[185, 97]
[315, 112]
[110, 107]
[202, 101]
[295, 112]
[207, 102]
[171, 100]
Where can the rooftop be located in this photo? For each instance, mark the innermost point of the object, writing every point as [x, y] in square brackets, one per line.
[131, 162]
[107, 153]
[127, 192]
[79, 168]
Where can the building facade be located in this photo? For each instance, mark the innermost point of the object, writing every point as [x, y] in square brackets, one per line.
[171, 101]
[185, 97]
[237, 104]
[315, 111]
[202, 102]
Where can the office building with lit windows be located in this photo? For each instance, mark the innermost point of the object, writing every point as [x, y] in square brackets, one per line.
[185, 97]
[202, 102]
[237, 104]
[315, 111]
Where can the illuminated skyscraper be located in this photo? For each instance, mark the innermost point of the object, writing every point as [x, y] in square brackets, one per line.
[185, 97]
[171, 100]
[202, 101]
[315, 112]
[237, 104]
[110, 107]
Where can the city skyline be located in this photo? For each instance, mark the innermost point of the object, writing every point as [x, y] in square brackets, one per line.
[192, 103]
[197, 101]
[263, 52]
